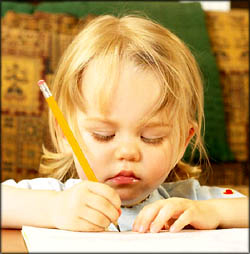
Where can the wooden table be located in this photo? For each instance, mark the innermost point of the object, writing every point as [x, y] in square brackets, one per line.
[12, 241]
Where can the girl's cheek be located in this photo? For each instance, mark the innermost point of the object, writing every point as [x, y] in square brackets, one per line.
[159, 162]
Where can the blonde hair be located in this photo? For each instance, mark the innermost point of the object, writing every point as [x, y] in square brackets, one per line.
[110, 40]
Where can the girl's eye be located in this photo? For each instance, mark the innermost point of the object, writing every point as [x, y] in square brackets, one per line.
[102, 138]
[153, 141]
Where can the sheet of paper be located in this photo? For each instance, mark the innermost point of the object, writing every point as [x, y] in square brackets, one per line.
[54, 240]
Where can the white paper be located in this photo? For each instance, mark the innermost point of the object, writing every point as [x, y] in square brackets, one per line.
[54, 240]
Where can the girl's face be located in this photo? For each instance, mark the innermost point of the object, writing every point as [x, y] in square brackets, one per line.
[132, 158]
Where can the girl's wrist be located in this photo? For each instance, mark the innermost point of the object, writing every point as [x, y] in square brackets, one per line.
[212, 207]
[228, 211]
[53, 208]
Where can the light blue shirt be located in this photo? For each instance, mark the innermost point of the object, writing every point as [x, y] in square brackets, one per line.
[190, 189]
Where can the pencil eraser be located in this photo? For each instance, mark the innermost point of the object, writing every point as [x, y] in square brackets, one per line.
[40, 82]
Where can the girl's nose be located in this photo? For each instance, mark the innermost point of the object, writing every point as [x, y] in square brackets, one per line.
[128, 151]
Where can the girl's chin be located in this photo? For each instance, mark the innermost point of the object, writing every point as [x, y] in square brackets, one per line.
[131, 195]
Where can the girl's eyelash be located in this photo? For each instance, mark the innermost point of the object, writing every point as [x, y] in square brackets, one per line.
[102, 138]
[152, 141]
[106, 138]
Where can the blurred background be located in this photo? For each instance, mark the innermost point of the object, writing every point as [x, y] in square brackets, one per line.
[36, 33]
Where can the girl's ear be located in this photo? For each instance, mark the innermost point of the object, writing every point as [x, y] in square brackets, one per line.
[190, 135]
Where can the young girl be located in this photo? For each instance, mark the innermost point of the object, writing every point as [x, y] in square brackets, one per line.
[132, 94]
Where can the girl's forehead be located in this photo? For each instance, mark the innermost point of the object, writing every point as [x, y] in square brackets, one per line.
[100, 73]
[124, 88]
[101, 81]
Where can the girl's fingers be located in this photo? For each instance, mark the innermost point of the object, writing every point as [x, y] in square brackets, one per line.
[94, 217]
[164, 216]
[170, 222]
[102, 205]
[105, 191]
[182, 221]
[160, 214]
[84, 225]
[146, 216]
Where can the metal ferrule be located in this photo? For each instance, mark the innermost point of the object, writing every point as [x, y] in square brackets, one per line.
[45, 90]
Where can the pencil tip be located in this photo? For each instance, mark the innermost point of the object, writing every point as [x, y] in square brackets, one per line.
[118, 227]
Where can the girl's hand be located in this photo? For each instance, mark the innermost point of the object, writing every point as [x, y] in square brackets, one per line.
[176, 213]
[87, 206]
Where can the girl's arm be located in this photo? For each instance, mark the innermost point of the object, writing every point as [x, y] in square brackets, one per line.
[26, 207]
[87, 206]
[233, 212]
[176, 213]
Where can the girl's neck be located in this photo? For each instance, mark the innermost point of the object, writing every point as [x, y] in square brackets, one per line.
[131, 206]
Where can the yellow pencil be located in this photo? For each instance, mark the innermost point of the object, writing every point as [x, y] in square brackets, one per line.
[68, 133]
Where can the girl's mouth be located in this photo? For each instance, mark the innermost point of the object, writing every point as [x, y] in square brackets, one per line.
[124, 177]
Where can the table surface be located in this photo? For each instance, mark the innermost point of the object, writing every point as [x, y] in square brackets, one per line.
[12, 241]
